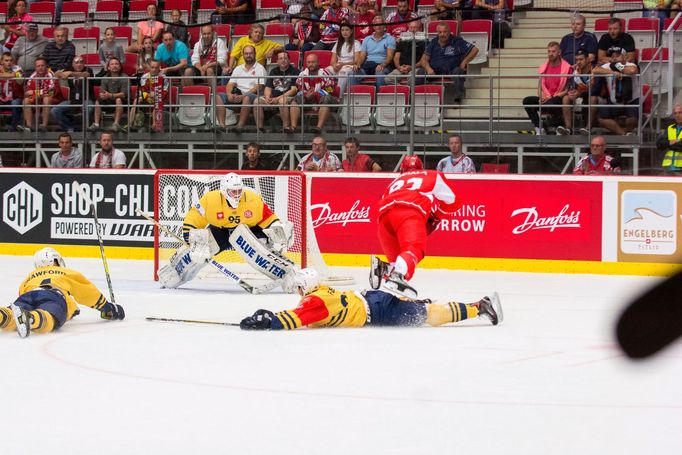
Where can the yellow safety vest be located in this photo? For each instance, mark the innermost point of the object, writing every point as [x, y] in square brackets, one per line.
[672, 158]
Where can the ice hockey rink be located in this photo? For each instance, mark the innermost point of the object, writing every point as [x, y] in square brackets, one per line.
[549, 380]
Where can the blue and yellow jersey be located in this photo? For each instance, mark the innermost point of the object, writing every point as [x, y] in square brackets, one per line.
[324, 307]
[73, 285]
[213, 209]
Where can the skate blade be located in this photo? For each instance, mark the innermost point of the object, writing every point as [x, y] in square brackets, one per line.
[374, 279]
[497, 306]
[23, 327]
[408, 292]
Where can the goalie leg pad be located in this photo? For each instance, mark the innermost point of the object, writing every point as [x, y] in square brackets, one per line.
[267, 262]
[182, 268]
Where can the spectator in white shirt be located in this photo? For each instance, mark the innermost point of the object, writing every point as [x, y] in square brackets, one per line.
[108, 157]
[457, 162]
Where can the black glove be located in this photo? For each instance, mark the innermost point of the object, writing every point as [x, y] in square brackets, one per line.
[431, 224]
[112, 311]
[261, 320]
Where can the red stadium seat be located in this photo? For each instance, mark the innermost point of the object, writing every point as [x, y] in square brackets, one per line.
[479, 33]
[358, 110]
[644, 31]
[42, 12]
[124, 35]
[137, 9]
[130, 64]
[48, 32]
[206, 7]
[656, 65]
[494, 168]
[428, 100]
[392, 103]
[267, 9]
[279, 33]
[185, 7]
[86, 40]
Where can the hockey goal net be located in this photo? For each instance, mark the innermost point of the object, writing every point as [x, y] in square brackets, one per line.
[286, 193]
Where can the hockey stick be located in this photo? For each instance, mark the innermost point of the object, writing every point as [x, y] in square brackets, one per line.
[653, 320]
[79, 189]
[192, 321]
[250, 288]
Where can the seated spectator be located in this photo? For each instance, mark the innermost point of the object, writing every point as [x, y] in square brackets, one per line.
[264, 48]
[152, 92]
[457, 162]
[209, 56]
[335, 14]
[306, 33]
[377, 52]
[245, 86]
[14, 32]
[81, 95]
[173, 56]
[670, 142]
[399, 19]
[402, 59]
[108, 157]
[60, 52]
[28, 48]
[446, 9]
[615, 37]
[149, 27]
[447, 54]
[597, 162]
[68, 156]
[619, 89]
[178, 28]
[578, 40]
[315, 87]
[253, 160]
[675, 8]
[280, 90]
[11, 90]
[42, 91]
[113, 92]
[355, 161]
[552, 89]
[579, 91]
[108, 49]
[346, 57]
[145, 56]
[233, 12]
[363, 20]
[320, 159]
[496, 11]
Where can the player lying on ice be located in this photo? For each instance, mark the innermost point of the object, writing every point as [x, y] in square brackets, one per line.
[48, 297]
[211, 227]
[409, 210]
[322, 306]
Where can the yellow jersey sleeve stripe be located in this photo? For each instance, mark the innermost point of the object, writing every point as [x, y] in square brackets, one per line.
[290, 318]
[283, 321]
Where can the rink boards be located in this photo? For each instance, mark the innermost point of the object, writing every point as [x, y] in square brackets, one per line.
[545, 223]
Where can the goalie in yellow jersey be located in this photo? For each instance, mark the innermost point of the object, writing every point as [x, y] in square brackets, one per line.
[208, 229]
[322, 306]
[48, 297]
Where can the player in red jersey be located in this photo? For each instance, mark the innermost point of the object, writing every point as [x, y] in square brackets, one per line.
[409, 210]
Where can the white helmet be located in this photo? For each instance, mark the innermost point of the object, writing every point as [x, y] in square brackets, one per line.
[47, 257]
[231, 185]
[306, 281]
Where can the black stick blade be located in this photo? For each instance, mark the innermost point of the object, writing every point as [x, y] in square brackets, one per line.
[652, 321]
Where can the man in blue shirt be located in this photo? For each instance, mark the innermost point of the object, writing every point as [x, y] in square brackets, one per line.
[377, 52]
[578, 40]
[174, 55]
[448, 55]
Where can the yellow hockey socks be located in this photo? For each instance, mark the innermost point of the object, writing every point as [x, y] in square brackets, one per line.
[439, 314]
[6, 319]
[42, 321]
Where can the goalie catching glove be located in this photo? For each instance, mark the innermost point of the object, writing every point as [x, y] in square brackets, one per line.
[280, 235]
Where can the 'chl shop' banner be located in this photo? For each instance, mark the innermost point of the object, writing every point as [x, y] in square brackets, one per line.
[522, 219]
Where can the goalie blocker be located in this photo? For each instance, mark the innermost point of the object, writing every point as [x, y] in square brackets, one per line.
[206, 243]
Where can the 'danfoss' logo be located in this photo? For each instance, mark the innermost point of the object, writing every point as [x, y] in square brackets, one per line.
[533, 220]
[22, 207]
[323, 214]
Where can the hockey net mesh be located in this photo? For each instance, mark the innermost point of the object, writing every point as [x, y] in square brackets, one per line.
[284, 193]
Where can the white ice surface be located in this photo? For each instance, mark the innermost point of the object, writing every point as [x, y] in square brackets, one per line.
[549, 380]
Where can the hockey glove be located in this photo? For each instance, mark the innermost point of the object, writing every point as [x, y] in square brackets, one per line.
[112, 311]
[431, 224]
[261, 320]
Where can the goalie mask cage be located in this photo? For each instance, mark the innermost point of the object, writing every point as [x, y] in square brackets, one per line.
[286, 193]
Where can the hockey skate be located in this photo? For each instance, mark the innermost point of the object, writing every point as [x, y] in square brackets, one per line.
[491, 308]
[22, 319]
[378, 269]
[396, 282]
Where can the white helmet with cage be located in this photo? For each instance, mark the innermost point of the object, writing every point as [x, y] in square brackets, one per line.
[48, 257]
[231, 185]
[306, 281]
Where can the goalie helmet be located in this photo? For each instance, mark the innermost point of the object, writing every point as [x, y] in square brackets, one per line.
[411, 163]
[306, 281]
[231, 186]
[47, 257]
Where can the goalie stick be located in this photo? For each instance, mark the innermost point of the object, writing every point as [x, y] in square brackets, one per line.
[248, 287]
[79, 189]
[192, 321]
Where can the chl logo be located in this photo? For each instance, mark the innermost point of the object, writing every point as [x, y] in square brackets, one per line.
[22, 208]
